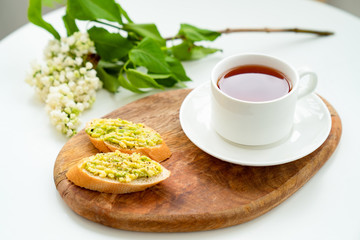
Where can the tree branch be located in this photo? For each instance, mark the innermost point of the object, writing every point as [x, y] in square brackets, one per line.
[267, 30]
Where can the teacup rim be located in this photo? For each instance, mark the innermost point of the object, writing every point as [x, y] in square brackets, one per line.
[214, 80]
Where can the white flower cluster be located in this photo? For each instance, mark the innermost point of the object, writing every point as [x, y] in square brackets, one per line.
[66, 82]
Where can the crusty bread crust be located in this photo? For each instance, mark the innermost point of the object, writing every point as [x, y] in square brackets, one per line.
[82, 178]
[157, 153]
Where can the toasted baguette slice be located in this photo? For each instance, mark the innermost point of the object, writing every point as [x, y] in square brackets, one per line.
[158, 152]
[83, 178]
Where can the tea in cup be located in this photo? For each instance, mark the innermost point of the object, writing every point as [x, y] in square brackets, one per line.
[253, 98]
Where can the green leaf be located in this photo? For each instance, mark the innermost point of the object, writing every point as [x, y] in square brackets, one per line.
[95, 9]
[163, 79]
[110, 46]
[168, 82]
[197, 34]
[34, 16]
[148, 54]
[177, 75]
[70, 24]
[141, 80]
[187, 50]
[110, 82]
[159, 75]
[124, 13]
[198, 52]
[111, 67]
[126, 84]
[177, 69]
[146, 30]
[182, 51]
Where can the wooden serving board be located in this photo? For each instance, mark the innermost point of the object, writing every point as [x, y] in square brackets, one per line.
[202, 192]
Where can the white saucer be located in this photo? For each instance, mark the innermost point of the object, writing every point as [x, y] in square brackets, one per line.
[311, 128]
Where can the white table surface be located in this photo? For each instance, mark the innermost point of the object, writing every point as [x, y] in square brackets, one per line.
[327, 207]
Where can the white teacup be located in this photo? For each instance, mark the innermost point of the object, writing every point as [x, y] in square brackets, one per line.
[257, 123]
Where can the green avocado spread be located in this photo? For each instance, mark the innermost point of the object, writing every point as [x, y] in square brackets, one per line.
[123, 133]
[121, 167]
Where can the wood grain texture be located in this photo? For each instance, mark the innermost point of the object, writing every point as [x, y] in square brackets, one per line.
[202, 192]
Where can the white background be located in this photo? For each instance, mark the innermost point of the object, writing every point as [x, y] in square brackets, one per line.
[327, 207]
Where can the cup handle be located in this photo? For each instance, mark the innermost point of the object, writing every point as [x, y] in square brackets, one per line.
[309, 86]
